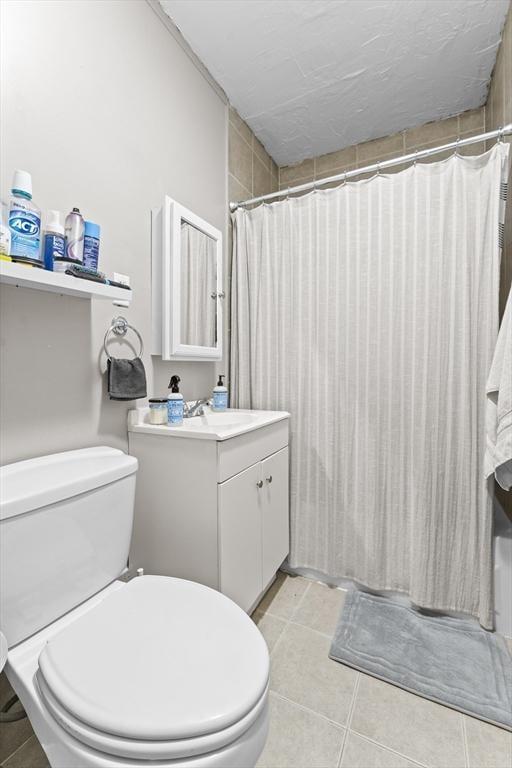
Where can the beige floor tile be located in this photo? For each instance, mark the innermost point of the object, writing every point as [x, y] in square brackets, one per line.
[30, 755]
[299, 739]
[270, 627]
[360, 753]
[5, 688]
[284, 595]
[420, 729]
[320, 608]
[488, 746]
[302, 671]
[12, 735]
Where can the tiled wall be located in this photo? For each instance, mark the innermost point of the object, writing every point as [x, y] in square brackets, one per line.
[428, 135]
[252, 172]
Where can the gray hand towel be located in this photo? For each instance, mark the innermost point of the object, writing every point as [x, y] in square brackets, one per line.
[126, 379]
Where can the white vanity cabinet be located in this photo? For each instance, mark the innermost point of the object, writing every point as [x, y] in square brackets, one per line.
[253, 507]
[213, 510]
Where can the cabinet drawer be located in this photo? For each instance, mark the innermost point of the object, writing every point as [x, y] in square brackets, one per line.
[238, 453]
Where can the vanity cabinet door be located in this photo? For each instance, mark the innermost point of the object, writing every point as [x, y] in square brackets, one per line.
[275, 513]
[240, 501]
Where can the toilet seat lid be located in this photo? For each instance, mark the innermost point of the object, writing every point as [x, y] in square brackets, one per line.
[162, 658]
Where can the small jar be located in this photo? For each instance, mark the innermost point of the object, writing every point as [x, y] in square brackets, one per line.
[158, 410]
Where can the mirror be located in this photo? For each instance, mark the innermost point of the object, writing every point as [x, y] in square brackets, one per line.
[198, 287]
[187, 294]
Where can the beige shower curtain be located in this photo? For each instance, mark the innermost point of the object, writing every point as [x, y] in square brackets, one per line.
[370, 312]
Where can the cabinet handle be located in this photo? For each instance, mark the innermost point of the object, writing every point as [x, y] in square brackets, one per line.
[260, 484]
[269, 479]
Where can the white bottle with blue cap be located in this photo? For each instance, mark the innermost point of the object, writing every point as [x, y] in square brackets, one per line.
[220, 395]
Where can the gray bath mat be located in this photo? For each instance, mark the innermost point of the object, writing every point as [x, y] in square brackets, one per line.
[451, 661]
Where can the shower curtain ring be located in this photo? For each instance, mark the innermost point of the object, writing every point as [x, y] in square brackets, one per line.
[500, 136]
[378, 169]
[457, 146]
[415, 157]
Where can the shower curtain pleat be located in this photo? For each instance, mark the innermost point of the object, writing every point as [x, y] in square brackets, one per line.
[370, 312]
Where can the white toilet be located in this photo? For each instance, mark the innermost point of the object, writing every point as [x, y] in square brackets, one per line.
[155, 671]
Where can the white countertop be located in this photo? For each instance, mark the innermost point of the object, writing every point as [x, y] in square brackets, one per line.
[212, 426]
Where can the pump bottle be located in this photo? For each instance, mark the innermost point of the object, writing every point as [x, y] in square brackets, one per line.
[220, 395]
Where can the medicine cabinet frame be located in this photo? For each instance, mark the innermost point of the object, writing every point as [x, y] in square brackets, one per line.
[166, 281]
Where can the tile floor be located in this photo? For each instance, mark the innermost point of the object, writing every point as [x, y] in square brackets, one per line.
[325, 715]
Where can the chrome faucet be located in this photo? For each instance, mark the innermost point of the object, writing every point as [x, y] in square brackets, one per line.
[196, 409]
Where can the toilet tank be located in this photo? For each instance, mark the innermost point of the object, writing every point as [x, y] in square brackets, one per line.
[65, 529]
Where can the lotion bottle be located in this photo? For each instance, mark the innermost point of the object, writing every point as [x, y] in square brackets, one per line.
[175, 403]
[220, 395]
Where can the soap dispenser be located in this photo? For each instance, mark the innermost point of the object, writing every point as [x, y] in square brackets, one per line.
[220, 395]
[175, 403]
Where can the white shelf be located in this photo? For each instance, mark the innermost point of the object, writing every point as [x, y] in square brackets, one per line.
[56, 282]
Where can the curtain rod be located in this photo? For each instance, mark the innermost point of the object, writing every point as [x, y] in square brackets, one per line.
[412, 156]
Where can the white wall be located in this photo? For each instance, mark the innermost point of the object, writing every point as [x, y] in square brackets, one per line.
[108, 113]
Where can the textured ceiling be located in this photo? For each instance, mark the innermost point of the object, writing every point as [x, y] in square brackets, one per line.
[313, 76]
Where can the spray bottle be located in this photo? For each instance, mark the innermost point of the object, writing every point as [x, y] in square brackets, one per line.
[75, 236]
[175, 403]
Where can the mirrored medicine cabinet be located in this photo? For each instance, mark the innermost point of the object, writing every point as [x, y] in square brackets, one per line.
[187, 294]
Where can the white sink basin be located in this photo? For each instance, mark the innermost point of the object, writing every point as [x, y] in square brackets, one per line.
[225, 420]
[211, 426]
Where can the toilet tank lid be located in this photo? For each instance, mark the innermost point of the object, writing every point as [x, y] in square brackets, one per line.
[34, 483]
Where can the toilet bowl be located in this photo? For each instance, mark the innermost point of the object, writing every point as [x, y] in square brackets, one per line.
[153, 671]
[97, 684]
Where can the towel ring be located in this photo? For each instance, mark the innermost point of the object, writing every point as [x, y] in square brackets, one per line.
[119, 327]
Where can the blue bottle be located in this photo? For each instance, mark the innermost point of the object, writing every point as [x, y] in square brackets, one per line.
[91, 244]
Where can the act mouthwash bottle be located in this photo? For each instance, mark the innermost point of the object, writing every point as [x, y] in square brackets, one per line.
[24, 222]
